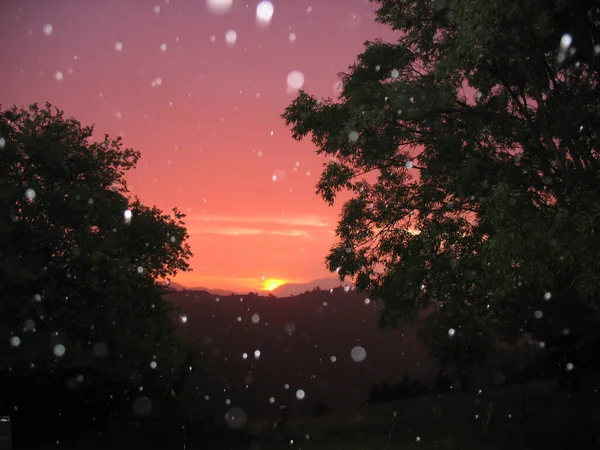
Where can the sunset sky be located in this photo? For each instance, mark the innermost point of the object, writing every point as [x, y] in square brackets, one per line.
[198, 87]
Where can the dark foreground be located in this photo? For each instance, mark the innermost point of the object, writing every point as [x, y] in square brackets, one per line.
[534, 416]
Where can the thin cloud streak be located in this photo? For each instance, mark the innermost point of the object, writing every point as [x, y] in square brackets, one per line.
[295, 233]
[295, 220]
[234, 231]
[226, 231]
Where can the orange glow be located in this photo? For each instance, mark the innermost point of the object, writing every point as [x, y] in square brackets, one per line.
[212, 139]
[271, 284]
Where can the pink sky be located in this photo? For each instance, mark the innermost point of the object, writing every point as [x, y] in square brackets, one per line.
[209, 130]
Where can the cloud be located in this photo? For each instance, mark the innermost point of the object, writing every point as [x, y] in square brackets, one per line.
[332, 232]
[226, 231]
[297, 233]
[292, 225]
[291, 219]
[235, 231]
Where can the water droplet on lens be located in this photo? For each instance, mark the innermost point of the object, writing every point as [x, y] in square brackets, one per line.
[236, 418]
[142, 406]
[358, 354]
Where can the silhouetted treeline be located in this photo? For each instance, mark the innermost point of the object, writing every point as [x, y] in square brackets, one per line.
[404, 389]
[85, 332]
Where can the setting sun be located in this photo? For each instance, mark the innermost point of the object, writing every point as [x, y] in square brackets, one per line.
[271, 283]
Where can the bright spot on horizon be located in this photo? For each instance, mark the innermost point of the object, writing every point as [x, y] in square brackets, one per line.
[219, 6]
[264, 12]
[271, 284]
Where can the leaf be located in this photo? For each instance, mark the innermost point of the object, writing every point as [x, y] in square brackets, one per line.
[467, 132]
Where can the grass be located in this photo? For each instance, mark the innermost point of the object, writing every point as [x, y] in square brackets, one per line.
[534, 416]
[530, 417]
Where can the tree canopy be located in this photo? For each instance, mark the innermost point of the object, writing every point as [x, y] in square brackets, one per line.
[82, 265]
[470, 148]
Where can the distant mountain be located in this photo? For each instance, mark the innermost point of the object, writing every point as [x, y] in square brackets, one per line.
[285, 290]
[176, 286]
[288, 289]
[223, 292]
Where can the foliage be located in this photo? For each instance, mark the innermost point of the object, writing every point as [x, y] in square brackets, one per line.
[404, 389]
[81, 262]
[470, 150]
[468, 345]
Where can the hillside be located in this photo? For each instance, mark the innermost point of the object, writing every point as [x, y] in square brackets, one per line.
[305, 342]
[535, 415]
[289, 289]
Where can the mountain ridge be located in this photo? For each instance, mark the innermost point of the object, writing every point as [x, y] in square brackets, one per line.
[288, 289]
[285, 290]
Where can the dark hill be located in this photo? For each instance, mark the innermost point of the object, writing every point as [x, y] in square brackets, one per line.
[297, 338]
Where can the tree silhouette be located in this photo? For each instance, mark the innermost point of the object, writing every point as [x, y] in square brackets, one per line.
[80, 270]
[468, 345]
[470, 148]
[404, 389]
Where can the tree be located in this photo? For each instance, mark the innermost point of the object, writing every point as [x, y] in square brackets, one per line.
[470, 150]
[462, 348]
[82, 263]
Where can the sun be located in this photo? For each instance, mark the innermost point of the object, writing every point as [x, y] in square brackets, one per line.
[271, 283]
